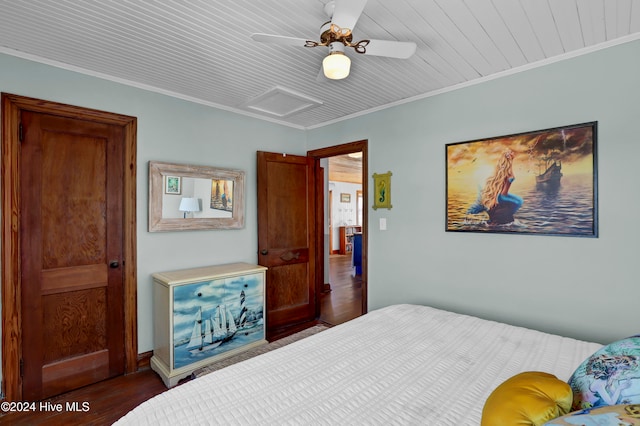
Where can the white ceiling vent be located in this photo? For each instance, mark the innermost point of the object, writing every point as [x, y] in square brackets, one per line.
[281, 102]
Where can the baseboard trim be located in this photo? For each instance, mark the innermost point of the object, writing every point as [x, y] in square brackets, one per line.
[144, 360]
[280, 332]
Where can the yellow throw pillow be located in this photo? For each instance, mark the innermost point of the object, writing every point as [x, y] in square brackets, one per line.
[529, 398]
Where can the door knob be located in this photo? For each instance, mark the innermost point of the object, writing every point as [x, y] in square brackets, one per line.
[264, 252]
[114, 264]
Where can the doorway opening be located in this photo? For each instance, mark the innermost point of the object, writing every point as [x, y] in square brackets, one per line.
[342, 197]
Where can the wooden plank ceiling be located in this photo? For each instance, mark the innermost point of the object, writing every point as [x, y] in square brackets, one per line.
[202, 50]
[345, 168]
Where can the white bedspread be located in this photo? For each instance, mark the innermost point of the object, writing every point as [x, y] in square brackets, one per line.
[403, 364]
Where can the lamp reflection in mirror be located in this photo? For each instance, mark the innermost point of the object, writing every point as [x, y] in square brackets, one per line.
[188, 205]
[336, 65]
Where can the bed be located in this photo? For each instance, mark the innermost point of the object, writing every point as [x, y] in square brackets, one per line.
[402, 364]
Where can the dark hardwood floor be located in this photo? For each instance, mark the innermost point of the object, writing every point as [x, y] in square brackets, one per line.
[344, 301]
[107, 401]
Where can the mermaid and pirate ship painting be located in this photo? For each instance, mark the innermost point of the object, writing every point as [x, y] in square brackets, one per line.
[213, 317]
[541, 182]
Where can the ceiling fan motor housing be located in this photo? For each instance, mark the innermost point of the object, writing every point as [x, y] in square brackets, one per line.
[332, 32]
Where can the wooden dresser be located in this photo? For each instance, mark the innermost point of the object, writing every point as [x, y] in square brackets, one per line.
[205, 314]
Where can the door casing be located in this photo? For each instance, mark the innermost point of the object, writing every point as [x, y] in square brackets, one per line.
[332, 151]
[12, 106]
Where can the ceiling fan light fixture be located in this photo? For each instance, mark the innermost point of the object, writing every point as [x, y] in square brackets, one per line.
[336, 65]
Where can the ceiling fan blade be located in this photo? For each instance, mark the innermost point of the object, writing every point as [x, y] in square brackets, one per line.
[347, 12]
[391, 49]
[277, 39]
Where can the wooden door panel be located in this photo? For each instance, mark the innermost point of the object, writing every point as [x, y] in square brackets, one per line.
[73, 199]
[286, 256]
[73, 373]
[287, 191]
[75, 324]
[286, 237]
[288, 294]
[75, 278]
[71, 230]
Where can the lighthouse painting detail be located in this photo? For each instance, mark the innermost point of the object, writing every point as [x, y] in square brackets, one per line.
[213, 317]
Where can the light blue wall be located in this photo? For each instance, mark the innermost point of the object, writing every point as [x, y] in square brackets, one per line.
[582, 287]
[579, 287]
[173, 130]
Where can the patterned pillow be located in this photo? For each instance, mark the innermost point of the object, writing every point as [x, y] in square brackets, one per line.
[614, 415]
[611, 376]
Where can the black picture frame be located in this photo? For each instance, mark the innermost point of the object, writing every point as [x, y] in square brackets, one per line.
[542, 182]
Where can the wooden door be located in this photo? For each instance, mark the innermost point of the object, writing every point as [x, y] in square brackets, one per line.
[286, 238]
[71, 239]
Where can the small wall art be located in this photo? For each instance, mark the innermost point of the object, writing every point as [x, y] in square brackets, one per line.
[542, 182]
[173, 185]
[382, 191]
[222, 194]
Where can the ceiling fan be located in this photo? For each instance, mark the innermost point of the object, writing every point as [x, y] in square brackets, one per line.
[337, 35]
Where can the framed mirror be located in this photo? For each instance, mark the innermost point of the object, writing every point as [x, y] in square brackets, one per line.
[186, 197]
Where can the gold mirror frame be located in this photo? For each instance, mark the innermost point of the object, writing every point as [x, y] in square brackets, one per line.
[157, 173]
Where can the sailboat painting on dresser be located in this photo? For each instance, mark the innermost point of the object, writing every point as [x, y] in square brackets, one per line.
[217, 316]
